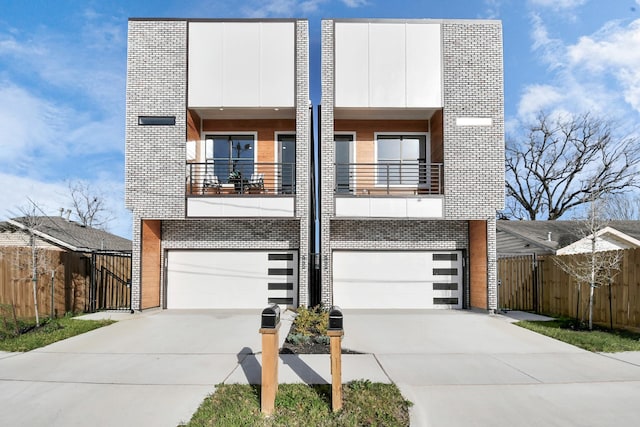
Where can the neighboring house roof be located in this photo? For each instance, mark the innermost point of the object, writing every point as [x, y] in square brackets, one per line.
[561, 237]
[70, 234]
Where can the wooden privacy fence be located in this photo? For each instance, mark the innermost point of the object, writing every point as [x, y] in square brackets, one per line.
[66, 281]
[538, 283]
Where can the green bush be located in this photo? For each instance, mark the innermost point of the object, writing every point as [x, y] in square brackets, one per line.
[311, 321]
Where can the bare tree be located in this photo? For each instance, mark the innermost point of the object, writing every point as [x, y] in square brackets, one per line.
[89, 205]
[30, 222]
[552, 170]
[623, 207]
[596, 267]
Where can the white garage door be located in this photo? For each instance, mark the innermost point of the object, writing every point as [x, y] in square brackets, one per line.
[402, 279]
[231, 279]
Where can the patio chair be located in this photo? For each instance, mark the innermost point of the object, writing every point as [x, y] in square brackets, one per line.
[256, 183]
[211, 181]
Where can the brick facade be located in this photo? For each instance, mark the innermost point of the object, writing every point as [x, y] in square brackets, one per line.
[157, 70]
[473, 87]
[473, 155]
[303, 151]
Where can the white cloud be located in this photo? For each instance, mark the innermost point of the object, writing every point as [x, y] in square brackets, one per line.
[288, 8]
[550, 49]
[492, 10]
[558, 4]
[355, 3]
[27, 124]
[612, 52]
[35, 131]
[62, 113]
[310, 6]
[273, 7]
[600, 73]
[536, 98]
[88, 64]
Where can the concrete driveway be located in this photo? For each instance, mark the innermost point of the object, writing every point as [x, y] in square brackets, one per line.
[462, 368]
[148, 369]
[458, 367]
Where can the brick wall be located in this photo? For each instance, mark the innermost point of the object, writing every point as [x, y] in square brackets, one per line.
[473, 156]
[473, 87]
[303, 149]
[156, 86]
[156, 155]
[327, 159]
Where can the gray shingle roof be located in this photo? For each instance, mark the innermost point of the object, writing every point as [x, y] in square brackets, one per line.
[76, 236]
[515, 237]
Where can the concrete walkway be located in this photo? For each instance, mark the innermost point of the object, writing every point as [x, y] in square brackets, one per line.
[457, 367]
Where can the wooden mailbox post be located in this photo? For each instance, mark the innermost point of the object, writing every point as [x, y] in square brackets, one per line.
[270, 324]
[335, 331]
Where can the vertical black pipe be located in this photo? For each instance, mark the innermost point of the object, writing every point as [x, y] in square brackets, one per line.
[93, 285]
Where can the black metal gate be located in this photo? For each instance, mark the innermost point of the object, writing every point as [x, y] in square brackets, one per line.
[110, 287]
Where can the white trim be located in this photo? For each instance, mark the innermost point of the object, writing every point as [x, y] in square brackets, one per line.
[277, 156]
[474, 121]
[575, 247]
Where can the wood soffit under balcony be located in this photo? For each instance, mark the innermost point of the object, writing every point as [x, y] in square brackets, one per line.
[227, 113]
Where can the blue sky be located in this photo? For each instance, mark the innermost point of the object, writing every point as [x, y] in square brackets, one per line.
[63, 72]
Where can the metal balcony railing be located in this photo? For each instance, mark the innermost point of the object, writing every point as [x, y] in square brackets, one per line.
[388, 178]
[240, 177]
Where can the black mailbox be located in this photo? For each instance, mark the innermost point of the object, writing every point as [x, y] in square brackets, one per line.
[270, 316]
[335, 318]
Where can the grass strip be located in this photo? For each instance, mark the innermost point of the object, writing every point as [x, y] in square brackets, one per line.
[599, 340]
[364, 403]
[49, 332]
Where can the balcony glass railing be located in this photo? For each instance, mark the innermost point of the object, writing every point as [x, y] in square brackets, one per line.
[388, 178]
[240, 178]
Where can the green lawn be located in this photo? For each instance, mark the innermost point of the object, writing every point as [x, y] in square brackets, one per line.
[599, 340]
[365, 404]
[49, 332]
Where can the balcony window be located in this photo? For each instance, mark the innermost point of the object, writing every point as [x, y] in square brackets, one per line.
[390, 164]
[228, 164]
[344, 158]
[399, 158]
[287, 160]
[230, 157]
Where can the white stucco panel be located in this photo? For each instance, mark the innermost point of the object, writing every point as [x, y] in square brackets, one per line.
[277, 69]
[229, 206]
[241, 64]
[205, 64]
[424, 65]
[388, 65]
[351, 65]
[390, 207]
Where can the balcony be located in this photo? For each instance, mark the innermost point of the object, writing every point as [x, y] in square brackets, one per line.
[241, 178]
[240, 188]
[388, 179]
[389, 190]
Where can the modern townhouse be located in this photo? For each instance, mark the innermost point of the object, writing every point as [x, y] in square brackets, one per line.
[218, 147]
[219, 163]
[411, 161]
